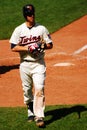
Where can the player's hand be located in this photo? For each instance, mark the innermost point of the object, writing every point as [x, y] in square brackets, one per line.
[36, 48]
[32, 47]
[41, 46]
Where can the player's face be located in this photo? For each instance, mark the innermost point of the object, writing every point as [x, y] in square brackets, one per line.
[31, 19]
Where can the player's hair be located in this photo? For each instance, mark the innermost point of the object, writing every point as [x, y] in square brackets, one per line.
[28, 10]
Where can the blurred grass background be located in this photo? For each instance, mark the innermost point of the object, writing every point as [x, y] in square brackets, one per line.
[54, 14]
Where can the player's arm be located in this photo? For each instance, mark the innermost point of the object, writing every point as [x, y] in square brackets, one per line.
[48, 45]
[15, 46]
[18, 48]
[31, 48]
[46, 38]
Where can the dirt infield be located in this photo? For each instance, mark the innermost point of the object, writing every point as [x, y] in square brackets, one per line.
[66, 81]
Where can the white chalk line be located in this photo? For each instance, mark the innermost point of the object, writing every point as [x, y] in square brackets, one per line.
[52, 54]
[75, 54]
[80, 50]
[76, 57]
[64, 64]
[55, 53]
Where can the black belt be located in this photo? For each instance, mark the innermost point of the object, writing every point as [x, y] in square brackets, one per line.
[29, 61]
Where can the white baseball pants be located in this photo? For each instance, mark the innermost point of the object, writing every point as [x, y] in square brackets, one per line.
[34, 74]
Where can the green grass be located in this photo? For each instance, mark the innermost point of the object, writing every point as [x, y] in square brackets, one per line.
[54, 14]
[62, 117]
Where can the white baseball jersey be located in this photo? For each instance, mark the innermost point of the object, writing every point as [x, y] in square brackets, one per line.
[24, 36]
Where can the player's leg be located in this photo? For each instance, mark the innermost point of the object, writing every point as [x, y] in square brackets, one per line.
[39, 98]
[27, 91]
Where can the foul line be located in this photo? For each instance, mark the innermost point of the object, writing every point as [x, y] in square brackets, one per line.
[77, 57]
[80, 50]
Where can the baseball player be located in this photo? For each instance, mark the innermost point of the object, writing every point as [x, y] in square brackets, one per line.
[31, 40]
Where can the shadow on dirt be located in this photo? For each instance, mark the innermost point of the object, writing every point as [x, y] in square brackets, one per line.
[62, 112]
[4, 69]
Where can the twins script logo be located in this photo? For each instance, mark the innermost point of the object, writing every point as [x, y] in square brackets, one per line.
[25, 40]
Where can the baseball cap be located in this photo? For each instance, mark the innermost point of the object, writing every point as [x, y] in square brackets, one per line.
[28, 10]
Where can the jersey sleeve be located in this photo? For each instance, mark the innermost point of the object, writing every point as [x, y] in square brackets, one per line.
[15, 37]
[46, 36]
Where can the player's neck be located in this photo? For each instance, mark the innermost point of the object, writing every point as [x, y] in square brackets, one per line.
[30, 25]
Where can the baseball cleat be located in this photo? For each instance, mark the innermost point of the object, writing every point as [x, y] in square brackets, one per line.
[40, 122]
[30, 118]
